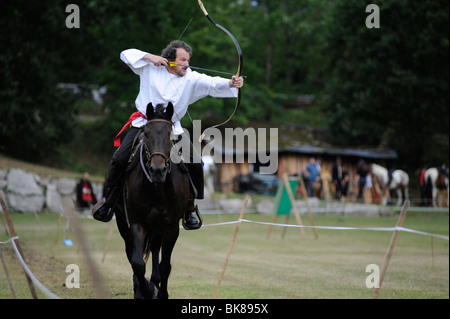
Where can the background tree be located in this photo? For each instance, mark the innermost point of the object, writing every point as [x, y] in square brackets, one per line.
[390, 85]
[32, 112]
[385, 86]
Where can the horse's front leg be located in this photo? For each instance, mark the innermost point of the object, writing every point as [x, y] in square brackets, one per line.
[447, 195]
[155, 248]
[399, 196]
[435, 192]
[168, 243]
[440, 194]
[386, 196]
[134, 249]
[406, 191]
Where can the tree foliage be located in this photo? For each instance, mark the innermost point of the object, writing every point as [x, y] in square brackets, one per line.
[33, 114]
[390, 85]
[383, 86]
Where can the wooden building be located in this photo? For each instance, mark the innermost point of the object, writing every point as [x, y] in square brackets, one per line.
[295, 145]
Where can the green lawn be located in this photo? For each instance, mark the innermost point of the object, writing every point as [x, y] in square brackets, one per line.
[293, 267]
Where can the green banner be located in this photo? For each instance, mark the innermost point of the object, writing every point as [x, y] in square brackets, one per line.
[284, 208]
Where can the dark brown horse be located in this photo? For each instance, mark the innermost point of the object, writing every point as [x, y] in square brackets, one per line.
[156, 193]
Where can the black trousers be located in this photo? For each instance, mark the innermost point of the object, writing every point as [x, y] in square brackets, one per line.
[122, 154]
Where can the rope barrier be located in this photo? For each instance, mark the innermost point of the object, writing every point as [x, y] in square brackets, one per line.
[33, 278]
[12, 238]
[326, 227]
[335, 227]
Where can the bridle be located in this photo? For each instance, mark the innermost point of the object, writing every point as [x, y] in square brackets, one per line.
[149, 155]
[146, 166]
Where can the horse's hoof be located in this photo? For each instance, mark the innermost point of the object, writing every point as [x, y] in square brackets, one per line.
[155, 291]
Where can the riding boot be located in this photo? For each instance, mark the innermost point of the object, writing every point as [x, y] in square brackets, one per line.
[190, 219]
[192, 213]
[103, 210]
[196, 172]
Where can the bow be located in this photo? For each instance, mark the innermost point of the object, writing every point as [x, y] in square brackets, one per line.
[238, 73]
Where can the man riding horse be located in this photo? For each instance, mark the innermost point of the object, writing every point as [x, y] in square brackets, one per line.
[163, 79]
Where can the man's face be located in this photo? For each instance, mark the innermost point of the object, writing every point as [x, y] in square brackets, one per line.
[183, 58]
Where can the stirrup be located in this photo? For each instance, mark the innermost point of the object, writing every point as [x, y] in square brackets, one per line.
[199, 217]
[96, 208]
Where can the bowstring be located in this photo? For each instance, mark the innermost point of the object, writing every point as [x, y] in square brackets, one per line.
[189, 23]
[179, 38]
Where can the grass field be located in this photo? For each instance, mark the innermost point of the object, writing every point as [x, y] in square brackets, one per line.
[332, 266]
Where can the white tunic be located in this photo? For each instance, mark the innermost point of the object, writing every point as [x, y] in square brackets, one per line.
[158, 86]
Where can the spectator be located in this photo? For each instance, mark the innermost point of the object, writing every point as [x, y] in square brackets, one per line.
[345, 185]
[337, 177]
[361, 176]
[313, 176]
[85, 193]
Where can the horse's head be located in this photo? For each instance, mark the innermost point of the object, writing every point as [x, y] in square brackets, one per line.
[158, 143]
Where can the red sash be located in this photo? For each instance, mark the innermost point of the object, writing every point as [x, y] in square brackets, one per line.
[133, 116]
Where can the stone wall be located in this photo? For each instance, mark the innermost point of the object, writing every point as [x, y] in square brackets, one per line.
[27, 192]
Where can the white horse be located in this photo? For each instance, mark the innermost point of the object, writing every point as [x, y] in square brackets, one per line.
[399, 182]
[438, 181]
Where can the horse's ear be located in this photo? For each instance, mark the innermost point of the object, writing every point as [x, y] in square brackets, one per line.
[150, 111]
[169, 110]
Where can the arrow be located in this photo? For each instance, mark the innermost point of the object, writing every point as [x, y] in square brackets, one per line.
[172, 64]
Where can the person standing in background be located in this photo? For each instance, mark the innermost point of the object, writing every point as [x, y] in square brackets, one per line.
[85, 193]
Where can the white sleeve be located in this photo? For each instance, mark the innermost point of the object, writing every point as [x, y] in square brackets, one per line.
[133, 58]
[212, 86]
